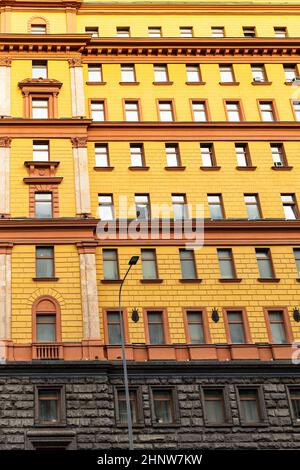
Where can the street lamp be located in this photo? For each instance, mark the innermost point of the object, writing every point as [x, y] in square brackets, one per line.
[132, 262]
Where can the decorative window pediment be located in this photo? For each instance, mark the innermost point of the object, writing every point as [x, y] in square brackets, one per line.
[40, 97]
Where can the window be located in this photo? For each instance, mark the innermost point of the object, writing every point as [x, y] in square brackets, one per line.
[50, 406]
[199, 111]
[215, 206]
[97, 111]
[267, 111]
[156, 330]
[93, 30]
[249, 404]
[44, 257]
[43, 205]
[252, 206]
[149, 264]
[40, 108]
[123, 32]
[226, 264]
[166, 111]
[39, 69]
[263, 256]
[40, 150]
[242, 155]
[160, 73]
[110, 265]
[289, 206]
[294, 396]
[132, 112]
[277, 327]
[249, 31]
[128, 73]
[236, 327]
[113, 327]
[217, 31]
[38, 29]
[296, 109]
[135, 406]
[195, 327]
[188, 265]
[297, 260]
[142, 206]
[173, 155]
[154, 32]
[193, 73]
[164, 408]
[207, 155]
[186, 31]
[226, 72]
[290, 72]
[233, 111]
[106, 207]
[180, 210]
[214, 409]
[137, 155]
[45, 328]
[258, 73]
[280, 31]
[101, 155]
[278, 155]
[95, 73]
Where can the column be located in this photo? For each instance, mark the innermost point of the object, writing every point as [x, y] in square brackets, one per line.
[82, 184]
[6, 19]
[77, 88]
[71, 19]
[5, 291]
[5, 64]
[4, 175]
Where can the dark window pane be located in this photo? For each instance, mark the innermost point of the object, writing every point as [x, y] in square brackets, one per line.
[122, 406]
[46, 328]
[214, 406]
[114, 329]
[249, 406]
[163, 406]
[295, 399]
[156, 328]
[49, 403]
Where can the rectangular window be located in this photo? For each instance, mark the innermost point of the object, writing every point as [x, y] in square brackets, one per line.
[44, 257]
[277, 327]
[128, 73]
[160, 73]
[166, 112]
[172, 155]
[154, 32]
[249, 406]
[101, 155]
[215, 206]
[195, 327]
[156, 331]
[252, 206]
[258, 73]
[226, 73]
[233, 111]
[93, 30]
[294, 396]
[106, 207]
[193, 73]
[95, 73]
[134, 408]
[264, 261]
[249, 31]
[242, 155]
[113, 327]
[39, 69]
[199, 111]
[97, 110]
[278, 155]
[290, 72]
[123, 32]
[267, 111]
[40, 151]
[43, 205]
[110, 265]
[188, 265]
[289, 206]
[214, 406]
[132, 112]
[137, 155]
[40, 108]
[186, 31]
[180, 209]
[163, 406]
[149, 264]
[218, 31]
[49, 405]
[207, 155]
[226, 264]
[38, 29]
[280, 32]
[236, 327]
[142, 206]
[45, 328]
[296, 109]
[297, 260]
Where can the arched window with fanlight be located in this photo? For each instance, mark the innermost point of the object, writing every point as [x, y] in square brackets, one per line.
[46, 321]
[38, 25]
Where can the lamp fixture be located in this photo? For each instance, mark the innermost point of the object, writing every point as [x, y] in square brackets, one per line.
[215, 315]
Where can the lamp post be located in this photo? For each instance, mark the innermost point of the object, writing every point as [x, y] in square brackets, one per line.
[132, 262]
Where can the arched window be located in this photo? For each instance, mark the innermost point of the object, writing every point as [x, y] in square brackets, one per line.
[38, 25]
[46, 321]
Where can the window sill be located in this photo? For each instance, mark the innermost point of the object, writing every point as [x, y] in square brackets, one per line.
[135, 426]
[254, 425]
[95, 83]
[234, 279]
[246, 168]
[175, 168]
[289, 82]
[151, 281]
[47, 279]
[166, 425]
[138, 168]
[129, 83]
[111, 281]
[190, 281]
[162, 83]
[229, 83]
[103, 168]
[210, 168]
[60, 424]
[195, 83]
[215, 425]
[261, 83]
[282, 168]
[274, 279]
